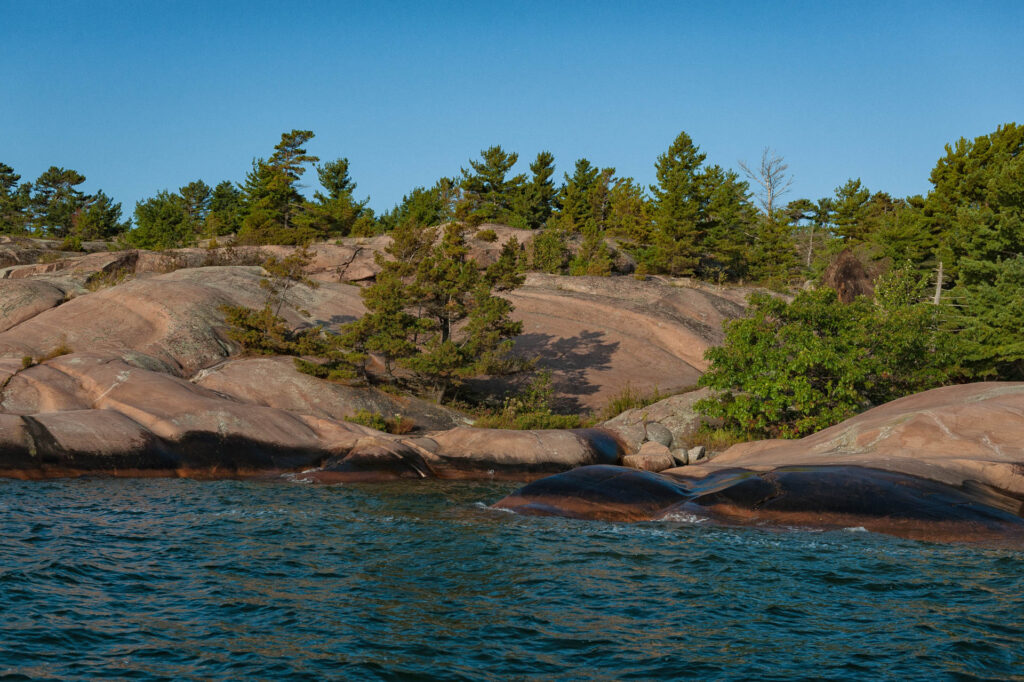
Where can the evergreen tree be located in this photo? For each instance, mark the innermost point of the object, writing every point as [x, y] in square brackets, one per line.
[976, 207]
[534, 204]
[576, 197]
[549, 251]
[226, 210]
[99, 219]
[629, 212]
[14, 202]
[425, 206]
[737, 240]
[272, 195]
[196, 198]
[55, 201]
[989, 299]
[336, 213]
[161, 222]
[678, 197]
[433, 313]
[487, 191]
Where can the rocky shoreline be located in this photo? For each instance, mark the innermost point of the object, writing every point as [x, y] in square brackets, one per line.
[136, 377]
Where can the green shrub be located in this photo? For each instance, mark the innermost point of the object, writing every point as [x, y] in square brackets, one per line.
[531, 409]
[373, 420]
[71, 244]
[789, 369]
[487, 235]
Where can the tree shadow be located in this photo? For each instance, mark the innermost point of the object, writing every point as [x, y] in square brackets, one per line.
[336, 321]
[569, 359]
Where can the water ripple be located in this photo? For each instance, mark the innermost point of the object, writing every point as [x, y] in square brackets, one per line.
[177, 579]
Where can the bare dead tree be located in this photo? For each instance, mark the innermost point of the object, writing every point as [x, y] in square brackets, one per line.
[771, 178]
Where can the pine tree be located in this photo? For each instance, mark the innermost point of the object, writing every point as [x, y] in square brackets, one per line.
[161, 222]
[336, 213]
[678, 233]
[226, 210]
[534, 204]
[99, 219]
[487, 192]
[272, 195]
[976, 207]
[196, 197]
[432, 312]
[576, 198]
[14, 202]
[55, 200]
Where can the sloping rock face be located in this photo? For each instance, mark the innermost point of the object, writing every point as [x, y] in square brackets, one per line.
[598, 335]
[273, 382]
[946, 464]
[174, 318]
[24, 299]
[603, 335]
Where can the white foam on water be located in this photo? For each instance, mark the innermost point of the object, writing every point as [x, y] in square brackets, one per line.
[683, 517]
[484, 505]
[856, 529]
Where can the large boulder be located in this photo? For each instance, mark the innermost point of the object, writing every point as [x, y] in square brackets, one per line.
[965, 436]
[465, 452]
[674, 415]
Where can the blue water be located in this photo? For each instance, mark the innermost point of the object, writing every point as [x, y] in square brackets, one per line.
[178, 579]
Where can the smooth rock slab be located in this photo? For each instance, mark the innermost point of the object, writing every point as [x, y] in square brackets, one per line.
[822, 497]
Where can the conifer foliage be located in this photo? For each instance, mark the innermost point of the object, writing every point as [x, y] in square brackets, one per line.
[432, 316]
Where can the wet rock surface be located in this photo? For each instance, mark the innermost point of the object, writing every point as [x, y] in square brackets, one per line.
[946, 464]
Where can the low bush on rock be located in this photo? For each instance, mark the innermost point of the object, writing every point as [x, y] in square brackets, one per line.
[530, 409]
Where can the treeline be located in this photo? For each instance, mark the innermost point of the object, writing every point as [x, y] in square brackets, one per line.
[698, 219]
[54, 206]
[943, 272]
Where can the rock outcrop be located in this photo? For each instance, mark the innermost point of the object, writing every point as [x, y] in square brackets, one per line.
[673, 419]
[946, 464]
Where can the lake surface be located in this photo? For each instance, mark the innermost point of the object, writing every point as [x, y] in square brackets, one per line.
[179, 579]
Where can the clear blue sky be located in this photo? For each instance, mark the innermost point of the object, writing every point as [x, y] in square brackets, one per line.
[142, 96]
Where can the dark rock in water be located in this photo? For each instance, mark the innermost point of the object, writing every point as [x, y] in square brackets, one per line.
[840, 495]
[824, 497]
[608, 493]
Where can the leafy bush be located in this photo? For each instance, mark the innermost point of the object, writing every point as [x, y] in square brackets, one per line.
[789, 369]
[487, 235]
[71, 244]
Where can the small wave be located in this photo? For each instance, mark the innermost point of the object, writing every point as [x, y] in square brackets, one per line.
[683, 517]
[856, 529]
[484, 505]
